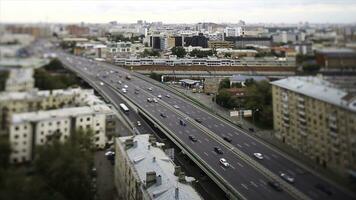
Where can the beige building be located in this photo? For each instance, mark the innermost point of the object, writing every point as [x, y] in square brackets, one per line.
[211, 85]
[144, 171]
[28, 130]
[216, 44]
[34, 100]
[317, 119]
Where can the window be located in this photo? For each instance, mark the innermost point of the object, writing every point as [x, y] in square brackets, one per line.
[81, 119]
[25, 127]
[24, 135]
[97, 124]
[88, 118]
[41, 141]
[24, 142]
[17, 128]
[42, 132]
[58, 123]
[50, 124]
[88, 126]
[97, 132]
[16, 136]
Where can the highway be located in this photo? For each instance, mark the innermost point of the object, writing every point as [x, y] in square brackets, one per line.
[242, 175]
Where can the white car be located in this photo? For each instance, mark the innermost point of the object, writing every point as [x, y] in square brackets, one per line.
[125, 86]
[168, 96]
[124, 90]
[120, 82]
[258, 155]
[224, 162]
[155, 100]
[101, 83]
[159, 96]
[150, 89]
[287, 177]
[176, 106]
[138, 123]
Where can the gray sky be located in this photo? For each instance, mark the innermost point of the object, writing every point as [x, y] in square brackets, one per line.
[174, 11]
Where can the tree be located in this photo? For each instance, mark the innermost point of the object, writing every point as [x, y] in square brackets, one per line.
[5, 151]
[155, 76]
[201, 54]
[54, 65]
[147, 53]
[179, 52]
[3, 77]
[225, 83]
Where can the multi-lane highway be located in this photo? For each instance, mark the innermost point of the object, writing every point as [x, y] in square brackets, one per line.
[246, 174]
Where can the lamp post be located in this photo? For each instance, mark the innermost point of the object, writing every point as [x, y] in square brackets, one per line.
[253, 114]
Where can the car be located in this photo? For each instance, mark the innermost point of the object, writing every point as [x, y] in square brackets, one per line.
[138, 123]
[193, 138]
[227, 139]
[224, 162]
[120, 82]
[324, 189]
[136, 92]
[287, 177]
[101, 83]
[155, 100]
[150, 89]
[159, 96]
[109, 153]
[275, 186]
[176, 106]
[258, 155]
[163, 115]
[218, 150]
[137, 89]
[168, 96]
[125, 86]
[198, 120]
[123, 90]
[182, 122]
[251, 129]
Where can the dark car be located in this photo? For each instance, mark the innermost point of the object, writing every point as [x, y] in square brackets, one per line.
[324, 189]
[198, 120]
[182, 122]
[251, 129]
[227, 139]
[163, 115]
[218, 150]
[275, 186]
[193, 138]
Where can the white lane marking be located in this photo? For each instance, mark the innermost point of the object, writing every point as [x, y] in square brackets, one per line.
[263, 182]
[254, 184]
[267, 157]
[222, 125]
[237, 133]
[246, 144]
[243, 185]
[223, 168]
[206, 154]
[253, 143]
[239, 145]
[274, 155]
[229, 134]
[232, 167]
[209, 126]
[199, 141]
[206, 139]
[216, 125]
[187, 131]
[180, 132]
[240, 164]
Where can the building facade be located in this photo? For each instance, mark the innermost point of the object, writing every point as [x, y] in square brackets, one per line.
[317, 119]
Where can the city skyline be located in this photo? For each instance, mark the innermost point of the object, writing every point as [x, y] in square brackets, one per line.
[173, 11]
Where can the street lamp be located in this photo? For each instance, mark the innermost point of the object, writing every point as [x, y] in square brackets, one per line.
[253, 114]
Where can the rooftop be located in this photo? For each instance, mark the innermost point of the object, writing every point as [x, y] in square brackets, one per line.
[147, 159]
[319, 88]
[59, 113]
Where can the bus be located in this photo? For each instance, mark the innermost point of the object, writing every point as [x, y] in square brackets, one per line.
[124, 108]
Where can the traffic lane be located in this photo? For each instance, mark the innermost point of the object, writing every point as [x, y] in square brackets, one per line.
[206, 148]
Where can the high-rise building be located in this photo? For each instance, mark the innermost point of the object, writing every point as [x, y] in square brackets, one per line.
[318, 119]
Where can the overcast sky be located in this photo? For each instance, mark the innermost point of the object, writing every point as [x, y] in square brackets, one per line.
[175, 11]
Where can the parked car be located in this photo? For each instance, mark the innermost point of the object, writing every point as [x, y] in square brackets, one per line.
[224, 162]
[218, 150]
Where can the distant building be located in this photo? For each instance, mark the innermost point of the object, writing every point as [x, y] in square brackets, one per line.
[28, 130]
[196, 40]
[215, 44]
[336, 59]
[318, 119]
[211, 85]
[245, 41]
[76, 30]
[20, 80]
[233, 32]
[144, 172]
[235, 53]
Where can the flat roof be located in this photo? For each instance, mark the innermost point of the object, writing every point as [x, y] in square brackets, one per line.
[19, 118]
[318, 88]
[142, 158]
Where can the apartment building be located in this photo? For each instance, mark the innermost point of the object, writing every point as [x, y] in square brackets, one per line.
[29, 101]
[28, 130]
[144, 171]
[318, 119]
[20, 80]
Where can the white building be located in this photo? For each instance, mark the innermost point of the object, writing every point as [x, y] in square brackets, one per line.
[27, 130]
[233, 32]
[20, 80]
[144, 171]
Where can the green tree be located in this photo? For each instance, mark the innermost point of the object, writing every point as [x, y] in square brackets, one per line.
[201, 54]
[225, 83]
[5, 151]
[147, 53]
[155, 76]
[3, 77]
[54, 65]
[179, 52]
